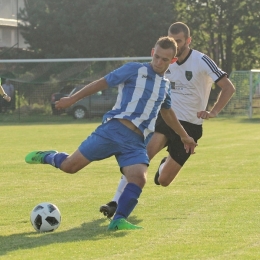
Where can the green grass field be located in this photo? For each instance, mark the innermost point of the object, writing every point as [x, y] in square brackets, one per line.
[211, 210]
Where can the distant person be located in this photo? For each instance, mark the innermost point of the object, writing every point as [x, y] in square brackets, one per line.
[9, 90]
[191, 79]
[143, 91]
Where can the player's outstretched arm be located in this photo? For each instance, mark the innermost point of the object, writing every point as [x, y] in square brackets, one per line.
[171, 120]
[227, 91]
[88, 90]
[4, 95]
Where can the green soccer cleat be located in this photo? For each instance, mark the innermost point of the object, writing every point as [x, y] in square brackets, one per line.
[37, 157]
[121, 224]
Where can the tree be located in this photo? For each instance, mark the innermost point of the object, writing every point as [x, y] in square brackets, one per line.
[225, 30]
[94, 28]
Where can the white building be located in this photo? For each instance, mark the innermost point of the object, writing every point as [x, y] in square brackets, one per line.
[9, 32]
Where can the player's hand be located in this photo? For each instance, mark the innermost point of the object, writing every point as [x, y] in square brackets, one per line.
[63, 103]
[189, 144]
[7, 98]
[206, 114]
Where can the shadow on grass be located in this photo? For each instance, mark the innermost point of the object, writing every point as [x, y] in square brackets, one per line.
[94, 230]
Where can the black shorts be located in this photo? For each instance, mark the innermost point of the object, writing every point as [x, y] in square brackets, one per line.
[175, 146]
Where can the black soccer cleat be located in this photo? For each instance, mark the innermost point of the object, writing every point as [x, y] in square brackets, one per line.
[109, 209]
[156, 177]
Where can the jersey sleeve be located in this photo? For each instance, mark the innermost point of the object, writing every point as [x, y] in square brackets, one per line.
[211, 69]
[121, 74]
[167, 101]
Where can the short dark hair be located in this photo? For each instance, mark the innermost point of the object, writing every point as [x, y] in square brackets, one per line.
[178, 27]
[167, 42]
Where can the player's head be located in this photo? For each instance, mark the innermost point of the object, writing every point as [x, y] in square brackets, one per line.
[163, 54]
[181, 33]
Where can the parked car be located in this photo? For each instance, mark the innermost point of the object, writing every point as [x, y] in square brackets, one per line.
[64, 92]
[95, 105]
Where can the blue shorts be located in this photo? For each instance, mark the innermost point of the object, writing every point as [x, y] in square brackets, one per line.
[114, 138]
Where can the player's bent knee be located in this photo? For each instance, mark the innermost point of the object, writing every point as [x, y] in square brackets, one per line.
[69, 169]
[164, 183]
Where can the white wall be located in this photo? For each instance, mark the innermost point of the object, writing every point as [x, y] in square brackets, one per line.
[8, 24]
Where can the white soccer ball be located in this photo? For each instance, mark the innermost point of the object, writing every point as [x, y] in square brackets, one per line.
[45, 217]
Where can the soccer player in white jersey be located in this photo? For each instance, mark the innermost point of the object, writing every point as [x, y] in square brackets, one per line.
[191, 79]
[143, 92]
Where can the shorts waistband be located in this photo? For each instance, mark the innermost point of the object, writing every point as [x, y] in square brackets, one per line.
[130, 125]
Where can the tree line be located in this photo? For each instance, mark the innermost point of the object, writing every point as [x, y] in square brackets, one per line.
[227, 31]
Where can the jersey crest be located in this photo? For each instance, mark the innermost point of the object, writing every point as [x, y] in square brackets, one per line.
[188, 75]
[172, 85]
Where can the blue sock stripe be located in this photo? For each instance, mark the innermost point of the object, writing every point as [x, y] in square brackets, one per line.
[134, 188]
[127, 201]
[55, 159]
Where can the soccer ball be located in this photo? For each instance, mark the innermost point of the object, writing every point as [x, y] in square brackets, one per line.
[45, 217]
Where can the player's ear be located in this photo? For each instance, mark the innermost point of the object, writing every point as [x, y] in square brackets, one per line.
[152, 52]
[174, 60]
[188, 40]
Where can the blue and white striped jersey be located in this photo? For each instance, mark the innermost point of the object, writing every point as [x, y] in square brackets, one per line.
[141, 94]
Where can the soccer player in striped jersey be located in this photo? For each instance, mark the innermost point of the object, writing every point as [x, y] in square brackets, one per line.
[143, 92]
[191, 79]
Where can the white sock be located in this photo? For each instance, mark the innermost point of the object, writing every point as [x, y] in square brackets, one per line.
[161, 167]
[120, 188]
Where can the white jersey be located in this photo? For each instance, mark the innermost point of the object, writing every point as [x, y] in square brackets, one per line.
[191, 82]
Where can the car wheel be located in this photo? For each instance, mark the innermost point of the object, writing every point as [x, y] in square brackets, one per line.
[79, 112]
